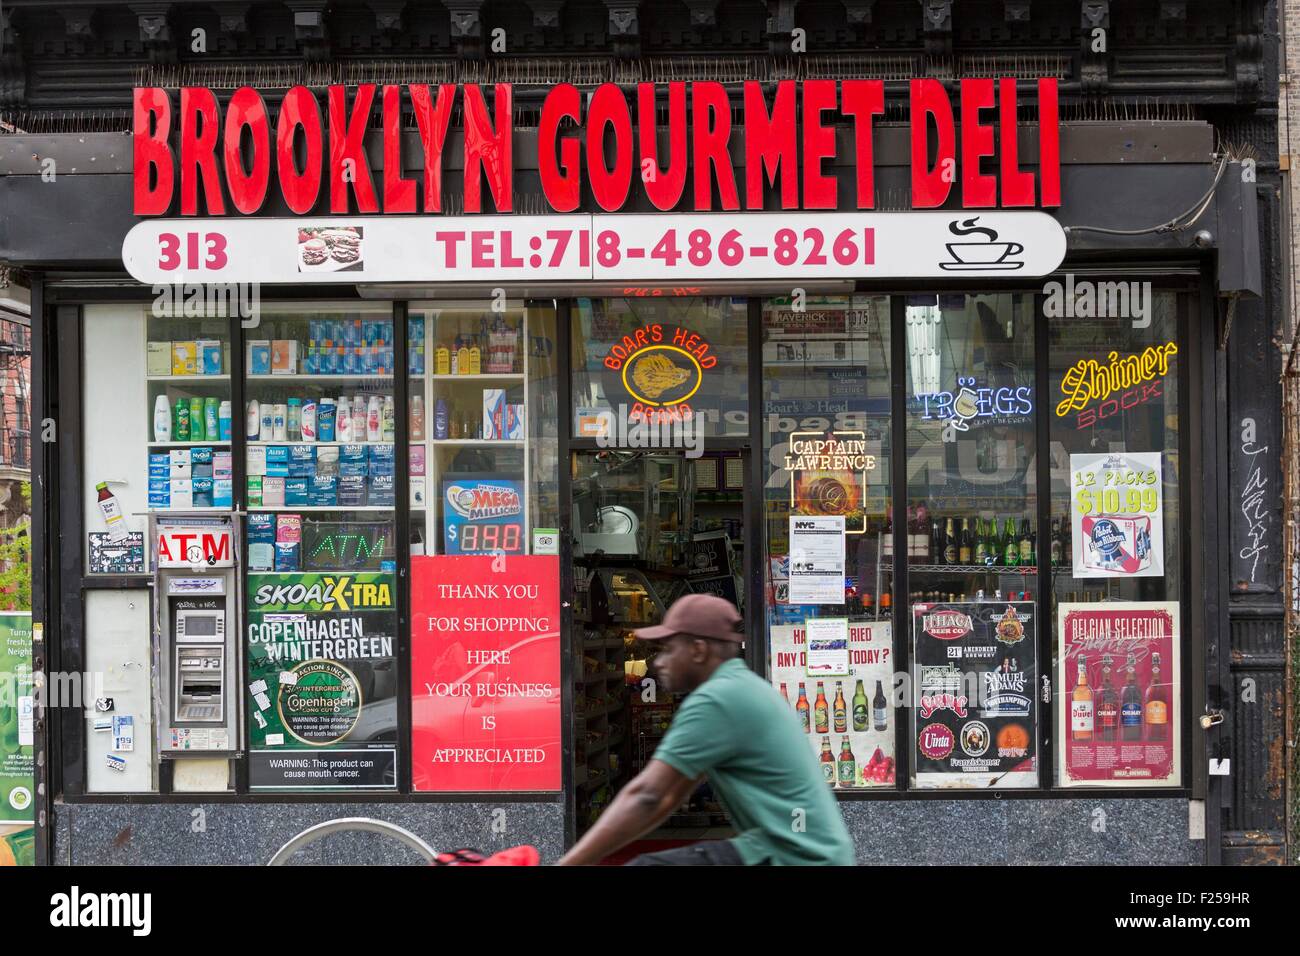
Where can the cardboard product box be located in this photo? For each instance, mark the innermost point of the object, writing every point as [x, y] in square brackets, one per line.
[354, 469]
[494, 413]
[201, 471]
[256, 460]
[182, 493]
[179, 464]
[327, 460]
[382, 461]
[416, 459]
[322, 490]
[379, 490]
[201, 455]
[208, 361]
[202, 492]
[277, 460]
[261, 542]
[288, 556]
[185, 358]
[284, 357]
[273, 492]
[295, 492]
[158, 358]
[259, 357]
[160, 499]
[254, 491]
[352, 453]
[222, 466]
[160, 486]
[514, 422]
[417, 492]
[351, 491]
[223, 492]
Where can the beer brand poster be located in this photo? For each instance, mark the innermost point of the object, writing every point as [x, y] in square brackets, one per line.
[321, 689]
[485, 673]
[1120, 700]
[859, 734]
[1117, 515]
[17, 740]
[975, 674]
[828, 472]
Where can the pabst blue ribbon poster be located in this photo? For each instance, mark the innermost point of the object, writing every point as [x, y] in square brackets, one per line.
[849, 719]
[322, 681]
[1118, 669]
[975, 715]
[1117, 516]
[485, 672]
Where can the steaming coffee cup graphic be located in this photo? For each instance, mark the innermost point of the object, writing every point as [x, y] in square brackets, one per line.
[979, 255]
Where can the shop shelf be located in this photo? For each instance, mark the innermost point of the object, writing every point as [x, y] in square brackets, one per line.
[327, 444]
[187, 378]
[489, 442]
[186, 511]
[188, 444]
[485, 377]
[295, 508]
[972, 569]
[332, 377]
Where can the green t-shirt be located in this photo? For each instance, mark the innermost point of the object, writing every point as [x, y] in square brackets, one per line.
[736, 729]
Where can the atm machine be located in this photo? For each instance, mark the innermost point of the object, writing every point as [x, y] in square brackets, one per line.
[197, 646]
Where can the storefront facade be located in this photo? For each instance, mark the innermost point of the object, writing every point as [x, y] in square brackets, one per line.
[388, 402]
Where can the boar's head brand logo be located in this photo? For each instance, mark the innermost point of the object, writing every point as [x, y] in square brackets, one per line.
[946, 625]
[483, 500]
[936, 741]
[660, 367]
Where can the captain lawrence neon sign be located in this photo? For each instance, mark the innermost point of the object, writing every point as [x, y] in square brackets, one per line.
[789, 138]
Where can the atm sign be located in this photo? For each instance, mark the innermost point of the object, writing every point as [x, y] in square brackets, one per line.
[185, 547]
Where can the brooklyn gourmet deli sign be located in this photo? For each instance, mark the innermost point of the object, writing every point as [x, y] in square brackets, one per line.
[212, 170]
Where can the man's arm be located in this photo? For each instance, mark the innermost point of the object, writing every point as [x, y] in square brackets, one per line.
[642, 805]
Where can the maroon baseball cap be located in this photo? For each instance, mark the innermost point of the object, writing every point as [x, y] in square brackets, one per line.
[703, 615]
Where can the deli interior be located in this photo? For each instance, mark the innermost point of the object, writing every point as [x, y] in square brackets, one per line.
[413, 529]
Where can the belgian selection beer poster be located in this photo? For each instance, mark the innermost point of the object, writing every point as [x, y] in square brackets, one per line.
[861, 733]
[1121, 694]
[1117, 515]
[17, 739]
[485, 672]
[975, 673]
[321, 689]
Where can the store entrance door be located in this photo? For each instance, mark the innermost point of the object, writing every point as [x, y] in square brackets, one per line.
[648, 527]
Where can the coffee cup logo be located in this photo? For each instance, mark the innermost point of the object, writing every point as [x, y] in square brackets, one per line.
[980, 254]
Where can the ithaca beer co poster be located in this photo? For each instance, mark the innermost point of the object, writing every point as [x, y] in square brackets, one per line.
[1119, 667]
[849, 719]
[322, 681]
[485, 672]
[975, 672]
[1117, 515]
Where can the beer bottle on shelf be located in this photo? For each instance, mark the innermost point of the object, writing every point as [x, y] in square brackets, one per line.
[887, 537]
[847, 765]
[981, 542]
[860, 713]
[936, 543]
[879, 709]
[950, 544]
[1026, 544]
[964, 543]
[1010, 547]
[828, 761]
[821, 711]
[911, 533]
[923, 554]
[1058, 551]
[841, 709]
[1130, 704]
[868, 606]
[886, 600]
[801, 707]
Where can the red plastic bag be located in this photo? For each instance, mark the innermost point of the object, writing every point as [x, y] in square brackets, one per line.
[514, 856]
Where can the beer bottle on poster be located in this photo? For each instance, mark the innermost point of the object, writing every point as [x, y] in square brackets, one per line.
[785, 693]
[861, 715]
[801, 707]
[821, 711]
[847, 765]
[1155, 711]
[1107, 704]
[1130, 704]
[828, 761]
[880, 708]
[841, 709]
[1081, 711]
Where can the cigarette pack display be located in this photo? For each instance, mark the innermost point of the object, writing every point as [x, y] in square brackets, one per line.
[273, 492]
[208, 360]
[259, 357]
[261, 542]
[185, 358]
[254, 491]
[295, 492]
[257, 460]
[284, 357]
[223, 492]
[158, 358]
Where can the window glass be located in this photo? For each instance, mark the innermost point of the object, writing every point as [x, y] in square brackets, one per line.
[1116, 573]
[829, 568]
[658, 365]
[321, 621]
[971, 537]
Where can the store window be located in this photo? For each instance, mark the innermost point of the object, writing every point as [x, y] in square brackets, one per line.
[659, 371]
[971, 500]
[321, 423]
[1116, 541]
[829, 570]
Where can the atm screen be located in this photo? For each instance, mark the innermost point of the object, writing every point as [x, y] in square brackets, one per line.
[200, 626]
